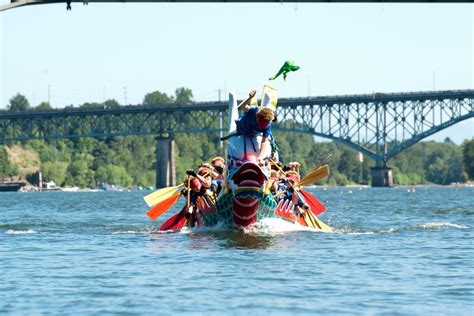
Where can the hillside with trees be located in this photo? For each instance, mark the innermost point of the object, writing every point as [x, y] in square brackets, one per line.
[130, 161]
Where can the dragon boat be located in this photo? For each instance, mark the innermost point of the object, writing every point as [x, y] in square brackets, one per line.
[245, 197]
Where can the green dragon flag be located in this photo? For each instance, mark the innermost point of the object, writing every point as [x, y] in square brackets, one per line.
[288, 66]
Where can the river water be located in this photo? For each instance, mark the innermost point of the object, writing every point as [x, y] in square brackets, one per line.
[95, 253]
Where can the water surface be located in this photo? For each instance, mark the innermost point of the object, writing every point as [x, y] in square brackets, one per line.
[95, 253]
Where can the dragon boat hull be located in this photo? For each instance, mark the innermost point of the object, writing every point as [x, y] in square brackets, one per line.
[226, 217]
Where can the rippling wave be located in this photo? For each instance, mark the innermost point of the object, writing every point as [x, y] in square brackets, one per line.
[392, 252]
[20, 232]
[426, 226]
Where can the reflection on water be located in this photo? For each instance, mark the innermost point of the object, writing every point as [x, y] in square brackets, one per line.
[205, 239]
[239, 239]
[200, 241]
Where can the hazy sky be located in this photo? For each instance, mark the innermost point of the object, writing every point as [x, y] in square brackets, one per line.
[124, 51]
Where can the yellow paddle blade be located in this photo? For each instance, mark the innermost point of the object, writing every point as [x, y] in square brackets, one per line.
[315, 175]
[318, 223]
[161, 195]
[309, 221]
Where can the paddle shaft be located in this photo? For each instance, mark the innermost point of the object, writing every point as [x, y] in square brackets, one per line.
[276, 165]
[245, 101]
[323, 162]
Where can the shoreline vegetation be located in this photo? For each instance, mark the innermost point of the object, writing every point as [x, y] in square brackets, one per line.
[129, 162]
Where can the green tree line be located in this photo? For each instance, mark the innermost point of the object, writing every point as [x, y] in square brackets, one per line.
[130, 161]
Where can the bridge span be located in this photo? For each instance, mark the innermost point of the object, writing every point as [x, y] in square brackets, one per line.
[380, 125]
[21, 3]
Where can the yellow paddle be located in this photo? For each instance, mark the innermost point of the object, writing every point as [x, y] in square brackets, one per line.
[316, 174]
[314, 222]
[162, 194]
[319, 172]
[165, 193]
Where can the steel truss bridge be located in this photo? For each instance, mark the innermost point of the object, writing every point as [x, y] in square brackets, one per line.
[379, 125]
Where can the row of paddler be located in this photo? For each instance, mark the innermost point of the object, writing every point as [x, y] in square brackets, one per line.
[201, 189]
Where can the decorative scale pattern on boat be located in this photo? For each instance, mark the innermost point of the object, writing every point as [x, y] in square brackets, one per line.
[224, 216]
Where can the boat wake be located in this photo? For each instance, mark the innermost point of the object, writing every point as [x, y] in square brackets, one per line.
[20, 232]
[266, 226]
[437, 225]
[392, 230]
[275, 226]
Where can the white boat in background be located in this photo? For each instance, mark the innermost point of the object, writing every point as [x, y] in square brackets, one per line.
[50, 186]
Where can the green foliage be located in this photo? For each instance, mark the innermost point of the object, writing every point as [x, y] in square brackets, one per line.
[429, 162]
[130, 161]
[91, 106]
[468, 157]
[54, 171]
[77, 173]
[157, 98]
[114, 174]
[111, 104]
[43, 106]
[194, 149]
[18, 103]
[6, 167]
[183, 95]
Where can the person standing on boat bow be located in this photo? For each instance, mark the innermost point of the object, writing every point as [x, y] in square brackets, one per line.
[256, 120]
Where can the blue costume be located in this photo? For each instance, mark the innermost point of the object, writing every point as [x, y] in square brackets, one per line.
[247, 124]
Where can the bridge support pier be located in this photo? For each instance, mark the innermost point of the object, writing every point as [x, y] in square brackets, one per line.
[165, 162]
[382, 176]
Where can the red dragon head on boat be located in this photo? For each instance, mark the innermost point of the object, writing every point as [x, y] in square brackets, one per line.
[246, 179]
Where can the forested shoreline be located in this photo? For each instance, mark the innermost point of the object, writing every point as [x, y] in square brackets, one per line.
[130, 161]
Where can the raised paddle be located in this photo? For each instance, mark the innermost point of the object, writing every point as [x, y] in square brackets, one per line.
[316, 174]
[160, 208]
[162, 195]
[251, 95]
[276, 165]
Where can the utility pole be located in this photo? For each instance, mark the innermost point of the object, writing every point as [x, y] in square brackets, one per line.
[49, 94]
[309, 86]
[125, 95]
[221, 143]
